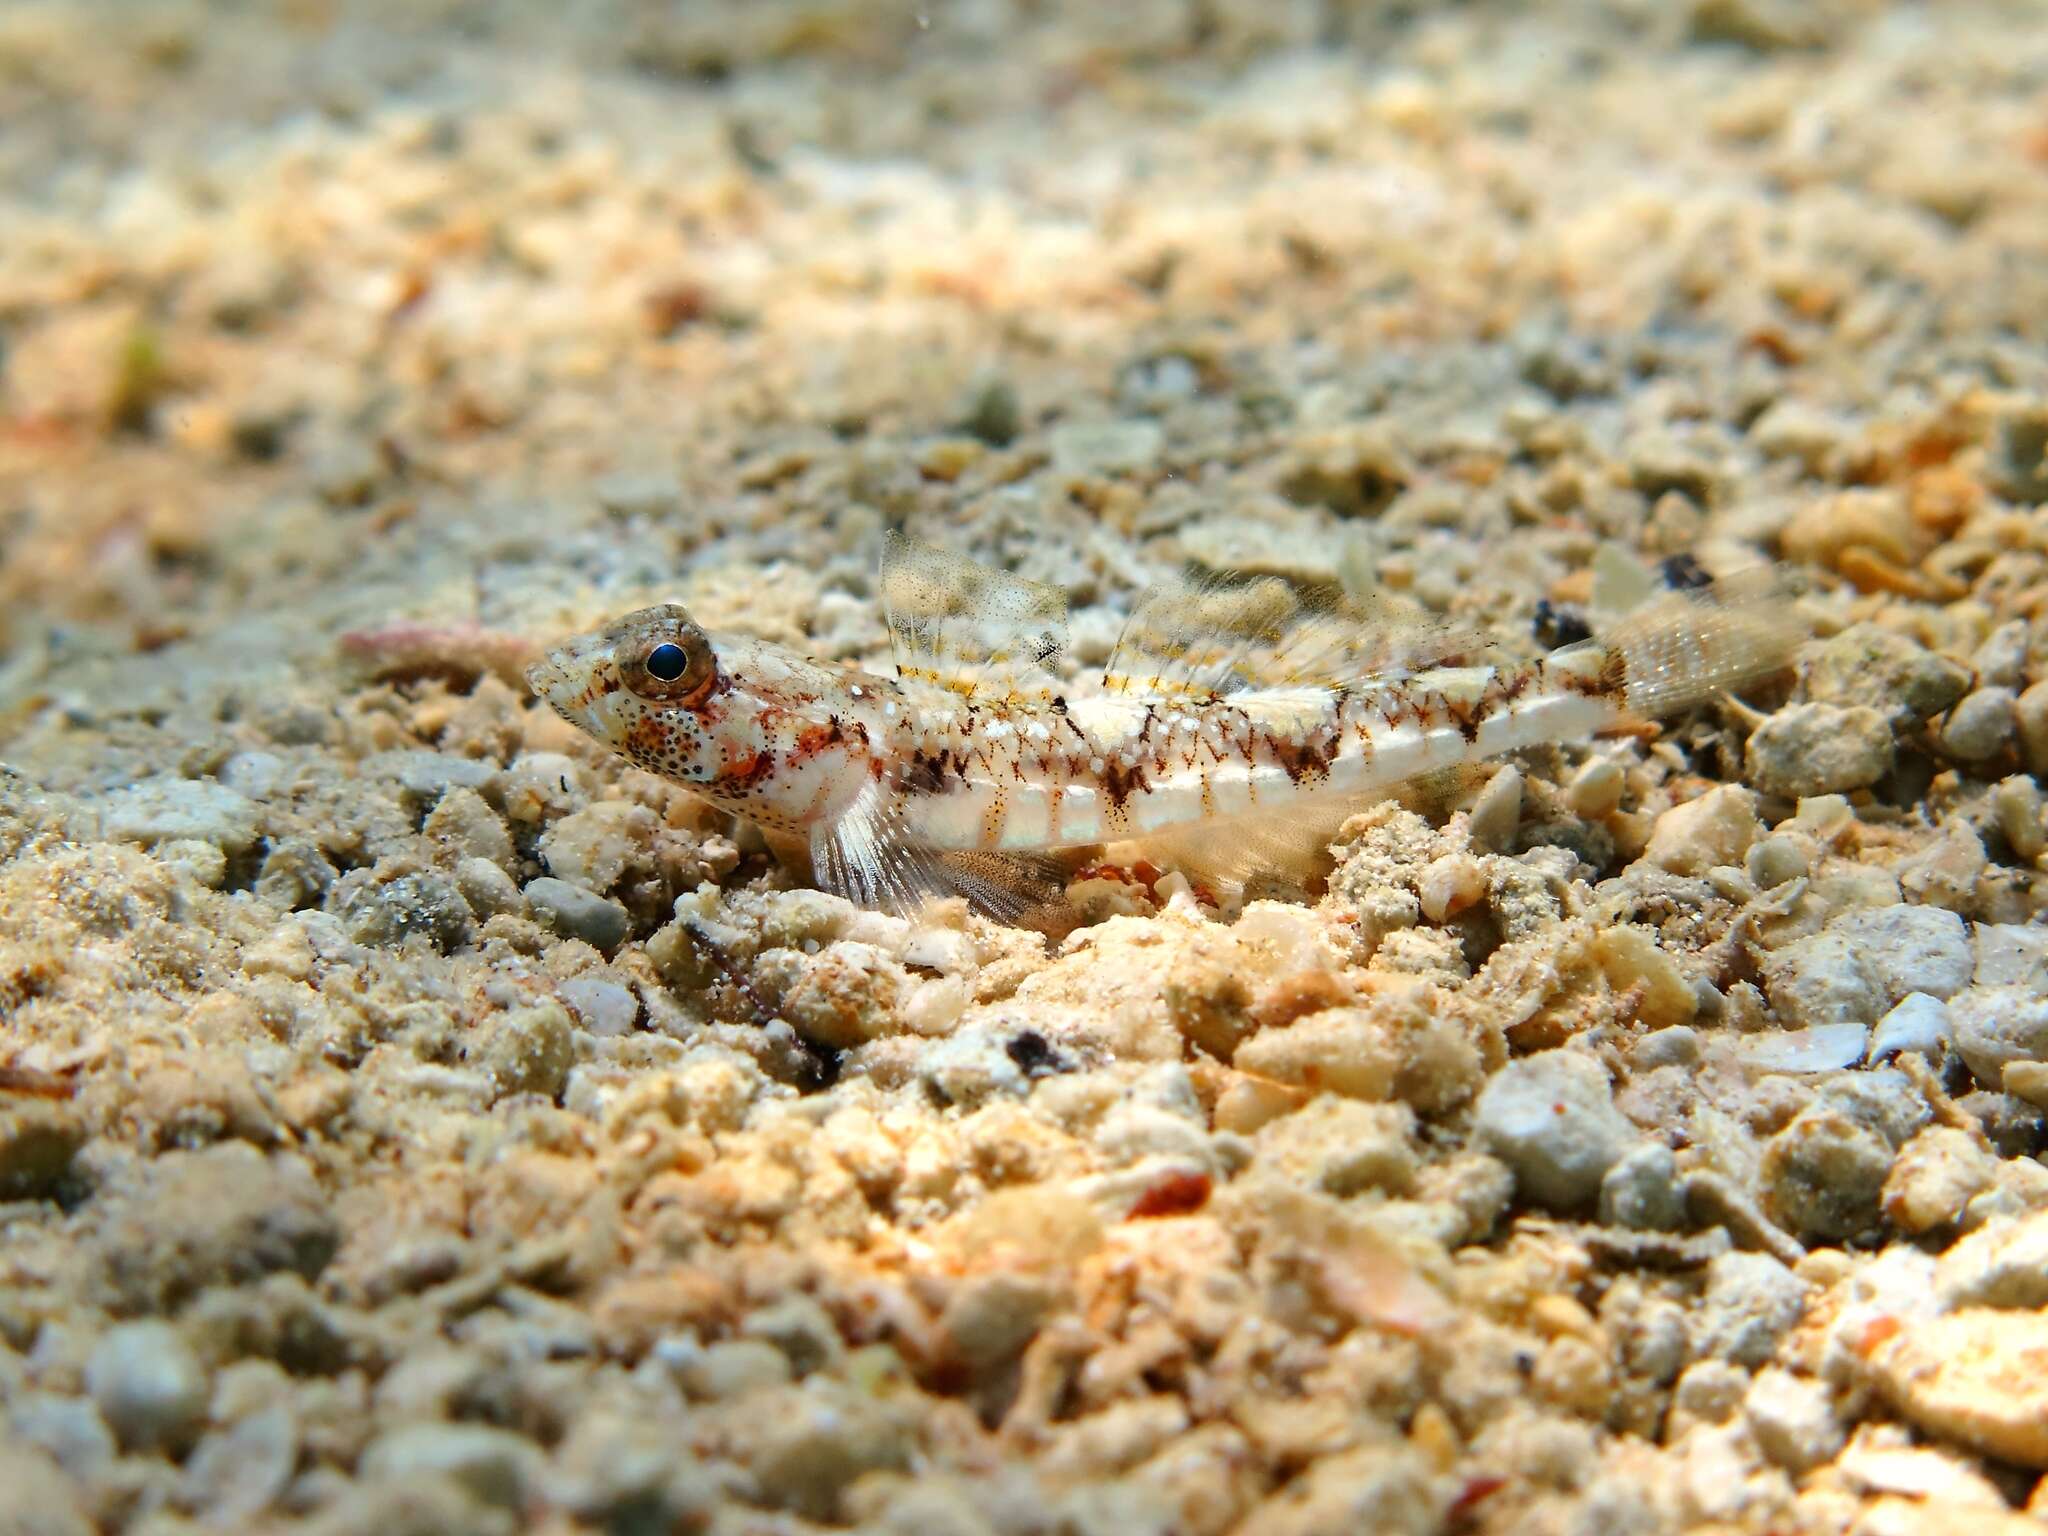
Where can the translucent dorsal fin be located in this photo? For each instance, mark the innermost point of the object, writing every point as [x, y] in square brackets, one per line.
[1222, 634]
[967, 627]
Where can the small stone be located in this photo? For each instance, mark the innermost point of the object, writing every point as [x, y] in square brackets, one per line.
[166, 810]
[1883, 670]
[1551, 1119]
[424, 778]
[531, 1050]
[2022, 814]
[729, 1369]
[605, 1008]
[811, 1442]
[486, 889]
[1824, 1174]
[1978, 1376]
[1642, 1191]
[1772, 861]
[295, 875]
[1750, 1303]
[1793, 1420]
[148, 1386]
[1865, 961]
[223, 1215]
[495, 1465]
[1717, 828]
[237, 1473]
[1816, 749]
[69, 1428]
[2011, 955]
[2001, 661]
[1981, 727]
[1918, 1024]
[463, 822]
[992, 412]
[196, 859]
[1821, 1048]
[38, 1141]
[1596, 789]
[41, 1500]
[2030, 714]
[1678, 1046]
[1107, 448]
[1937, 1174]
[387, 912]
[575, 913]
[1996, 1026]
[2002, 1264]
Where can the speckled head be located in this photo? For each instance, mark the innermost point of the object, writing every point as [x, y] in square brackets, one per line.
[745, 723]
[646, 686]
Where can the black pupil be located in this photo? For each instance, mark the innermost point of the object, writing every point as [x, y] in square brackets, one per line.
[665, 662]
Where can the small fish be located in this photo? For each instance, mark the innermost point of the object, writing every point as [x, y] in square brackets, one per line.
[1235, 727]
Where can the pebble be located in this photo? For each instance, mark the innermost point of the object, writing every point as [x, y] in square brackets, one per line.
[1551, 1119]
[1793, 1419]
[1881, 669]
[2001, 661]
[2011, 955]
[1751, 1301]
[165, 810]
[575, 913]
[1677, 1046]
[1107, 448]
[1821, 1048]
[237, 1473]
[1865, 961]
[1935, 1177]
[530, 1050]
[1596, 790]
[1824, 1174]
[1642, 1192]
[38, 1141]
[486, 889]
[1773, 860]
[295, 875]
[69, 1428]
[1716, 828]
[464, 822]
[2002, 1264]
[1919, 1023]
[812, 1441]
[148, 1386]
[1979, 1376]
[386, 913]
[495, 1465]
[2030, 714]
[424, 778]
[1817, 749]
[1981, 727]
[603, 1007]
[1995, 1026]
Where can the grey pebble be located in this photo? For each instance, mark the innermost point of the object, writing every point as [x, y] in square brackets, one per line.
[1879, 669]
[575, 913]
[1107, 447]
[237, 1473]
[148, 1385]
[1997, 1025]
[1980, 727]
[603, 1007]
[163, 810]
[1642, 1192]
[1751, 1302]
[495, 1465]
[69, 1428]
[388, 912]
[1677, 1045]
[487, 888]
[1551, 1119]
[295, 875]
[424, 777]
[1918, 1023]
[1865, 961]
[1818, 749]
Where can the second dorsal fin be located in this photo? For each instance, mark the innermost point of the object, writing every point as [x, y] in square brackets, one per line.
[980, 632]
[1210, 636]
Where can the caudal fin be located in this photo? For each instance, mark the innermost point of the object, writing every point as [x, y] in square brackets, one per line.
[1687, 647]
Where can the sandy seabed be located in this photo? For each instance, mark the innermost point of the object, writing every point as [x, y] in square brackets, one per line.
[414, 1120]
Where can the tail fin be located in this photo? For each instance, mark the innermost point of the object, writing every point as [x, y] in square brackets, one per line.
[1687, 647]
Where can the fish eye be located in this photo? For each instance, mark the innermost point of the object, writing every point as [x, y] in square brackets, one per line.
[667, 670]
[666, 662]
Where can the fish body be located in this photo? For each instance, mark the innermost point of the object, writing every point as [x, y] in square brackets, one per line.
[1224, 717]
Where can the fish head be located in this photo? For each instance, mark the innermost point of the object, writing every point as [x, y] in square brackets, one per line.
[749, 725]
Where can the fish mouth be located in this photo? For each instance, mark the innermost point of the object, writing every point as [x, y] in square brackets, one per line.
[562, 677]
